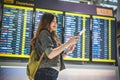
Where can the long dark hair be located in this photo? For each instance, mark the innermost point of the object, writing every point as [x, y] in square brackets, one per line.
[44, 23]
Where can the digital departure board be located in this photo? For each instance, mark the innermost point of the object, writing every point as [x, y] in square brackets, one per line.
[40, 12]
[16, 31]
[103, 39]
[74, 23]
[0, 12]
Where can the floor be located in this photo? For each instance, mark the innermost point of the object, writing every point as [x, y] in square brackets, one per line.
[87, 74]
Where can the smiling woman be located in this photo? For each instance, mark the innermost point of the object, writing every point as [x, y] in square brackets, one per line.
[46, 40]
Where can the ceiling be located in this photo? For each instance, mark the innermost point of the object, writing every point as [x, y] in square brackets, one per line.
[104, 3]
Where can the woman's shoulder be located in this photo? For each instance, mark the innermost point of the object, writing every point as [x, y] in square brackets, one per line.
[44, 32]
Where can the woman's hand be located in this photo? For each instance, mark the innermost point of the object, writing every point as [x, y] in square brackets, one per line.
[70, 49]
[73, 40]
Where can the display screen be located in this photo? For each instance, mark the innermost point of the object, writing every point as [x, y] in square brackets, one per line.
[40, 12]
[0, 12]
[16, 31]
[74, 23]
[103, 39]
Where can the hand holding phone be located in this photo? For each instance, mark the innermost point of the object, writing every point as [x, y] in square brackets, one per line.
[81, 32]
[74, 39]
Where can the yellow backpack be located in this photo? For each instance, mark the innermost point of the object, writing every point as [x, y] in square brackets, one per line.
[33, 64]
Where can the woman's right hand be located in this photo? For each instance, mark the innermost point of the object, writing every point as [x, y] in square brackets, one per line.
[73, 40]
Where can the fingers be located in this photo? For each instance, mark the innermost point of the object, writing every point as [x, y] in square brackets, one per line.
[73, 40]
[76, 37]
[71, 48]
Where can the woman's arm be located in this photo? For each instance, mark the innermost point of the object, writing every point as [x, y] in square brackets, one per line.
[69, 50]
[58, 50]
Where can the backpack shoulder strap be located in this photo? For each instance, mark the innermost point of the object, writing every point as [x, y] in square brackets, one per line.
[41, 57]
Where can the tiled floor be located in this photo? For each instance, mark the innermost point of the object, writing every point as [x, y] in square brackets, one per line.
[13, 74]
[81, 73]
[87, 74]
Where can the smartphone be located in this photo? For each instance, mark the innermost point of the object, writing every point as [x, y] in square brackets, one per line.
[81, 32]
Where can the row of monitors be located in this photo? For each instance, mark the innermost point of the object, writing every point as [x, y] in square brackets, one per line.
[98, 41]
[0, 10]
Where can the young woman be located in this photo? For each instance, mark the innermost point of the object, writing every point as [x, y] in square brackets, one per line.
[46, 40]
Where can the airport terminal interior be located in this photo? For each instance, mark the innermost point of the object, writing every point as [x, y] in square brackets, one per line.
[97, 52]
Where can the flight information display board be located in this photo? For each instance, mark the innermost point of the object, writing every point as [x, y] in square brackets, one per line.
[16, 31]
[103, 39]
[74, 23]
[0, 12]
[40, 12]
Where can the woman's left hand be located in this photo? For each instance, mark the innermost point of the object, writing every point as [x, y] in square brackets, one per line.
[70, 49]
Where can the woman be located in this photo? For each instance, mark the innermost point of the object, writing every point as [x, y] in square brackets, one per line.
[46, 40]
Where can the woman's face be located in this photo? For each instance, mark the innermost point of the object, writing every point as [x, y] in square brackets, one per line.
[53, 25]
